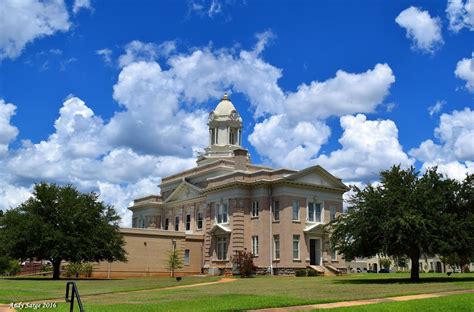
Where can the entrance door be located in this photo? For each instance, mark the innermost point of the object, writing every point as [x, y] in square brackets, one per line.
[314, 252]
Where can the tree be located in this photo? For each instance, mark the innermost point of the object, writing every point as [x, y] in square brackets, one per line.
[174, 261]
[405, 215]
[58, 223]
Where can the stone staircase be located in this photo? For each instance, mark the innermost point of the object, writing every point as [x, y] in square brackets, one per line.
[326, 270]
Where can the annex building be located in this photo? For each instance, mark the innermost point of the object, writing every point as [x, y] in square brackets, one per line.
[226, 204]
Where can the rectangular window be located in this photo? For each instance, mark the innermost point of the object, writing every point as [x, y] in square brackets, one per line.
[296, 210]
[276, 247]
[221, 210]
[255, 209]
[188, 222]
[311, 212]
[332, 215]
[186, 257]
[167, 222]
[333, 254]
[276, 210]
[318, 212]
[314, 212]
[255, 245]
[199, 221]
[176, 223]
[221, 248]
[296, 247]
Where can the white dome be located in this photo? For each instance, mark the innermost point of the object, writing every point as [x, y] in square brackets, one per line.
[225, 107]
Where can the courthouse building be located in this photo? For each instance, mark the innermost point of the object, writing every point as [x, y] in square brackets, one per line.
[226, 204]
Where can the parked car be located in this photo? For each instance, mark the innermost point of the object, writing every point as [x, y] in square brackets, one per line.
[384, 270]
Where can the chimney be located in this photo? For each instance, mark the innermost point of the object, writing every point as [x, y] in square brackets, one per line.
[241, 159]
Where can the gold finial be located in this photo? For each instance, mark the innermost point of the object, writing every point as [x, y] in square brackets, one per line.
[225, 96]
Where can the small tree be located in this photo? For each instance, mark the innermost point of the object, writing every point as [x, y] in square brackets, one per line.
[244, 262]
[385, 263]
[174, 261]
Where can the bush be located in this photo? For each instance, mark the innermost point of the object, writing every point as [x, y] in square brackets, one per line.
[431, 271]
[244, 262]
[75, 269]
[300, 272]
[46, 267]
[312, 273]
[9, 266]
[385, 263]
[15, 267]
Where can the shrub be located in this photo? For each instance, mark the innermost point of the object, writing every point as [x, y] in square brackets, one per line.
[385, 263]
[74, 269]
[15, 267]
[46, 267]
[431, 271]
[244, 262]
[312, 273]
[300, 272]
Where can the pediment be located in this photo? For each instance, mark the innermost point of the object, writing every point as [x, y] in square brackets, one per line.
[184, 191]
[318, 176]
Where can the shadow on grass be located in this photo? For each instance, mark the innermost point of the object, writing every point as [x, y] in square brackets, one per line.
[395, 280]
[40, 278]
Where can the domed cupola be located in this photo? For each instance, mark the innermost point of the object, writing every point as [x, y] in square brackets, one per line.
[225, 124]
[225, 132]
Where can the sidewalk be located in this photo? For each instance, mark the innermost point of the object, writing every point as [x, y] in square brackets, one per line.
[343, 304]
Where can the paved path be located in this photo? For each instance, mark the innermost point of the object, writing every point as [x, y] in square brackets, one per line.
[6, 307]
[343, 304]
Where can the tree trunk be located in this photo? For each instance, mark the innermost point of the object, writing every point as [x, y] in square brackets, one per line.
[56, 269]
[415, 267]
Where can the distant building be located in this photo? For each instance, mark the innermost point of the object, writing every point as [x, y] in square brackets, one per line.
[226, 204]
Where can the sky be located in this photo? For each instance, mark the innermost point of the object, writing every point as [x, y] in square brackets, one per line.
[110, 96]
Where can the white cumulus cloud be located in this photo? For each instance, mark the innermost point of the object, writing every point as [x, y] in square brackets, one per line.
[8, 132]
[368, 147]
[23, 21]
[460, 14]
[80, 5]
[455, 151]
[421, 28]
[465, 71]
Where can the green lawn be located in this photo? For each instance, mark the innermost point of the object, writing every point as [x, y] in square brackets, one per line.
[28, 289]
[458, 303]
[260, 292]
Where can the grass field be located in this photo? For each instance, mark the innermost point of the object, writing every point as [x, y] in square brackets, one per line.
[457, 303]
[260, 292]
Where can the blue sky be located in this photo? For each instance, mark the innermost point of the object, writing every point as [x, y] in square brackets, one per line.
[113, 95]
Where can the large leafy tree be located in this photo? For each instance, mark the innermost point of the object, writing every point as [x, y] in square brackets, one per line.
[58, 223]
[407, 214]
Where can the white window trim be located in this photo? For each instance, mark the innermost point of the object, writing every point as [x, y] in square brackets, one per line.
[197, 221]
[274, 247]
[186, 223]
[299, 210]
[216, 212]
[299, 247]
[335, 211]
[273, 211]
[189, 257]
[255, 246]
[174, 223]
[308, 200]
[224, 249]
[258, 209]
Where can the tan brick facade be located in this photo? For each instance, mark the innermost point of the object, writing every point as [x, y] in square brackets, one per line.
[222, 190]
